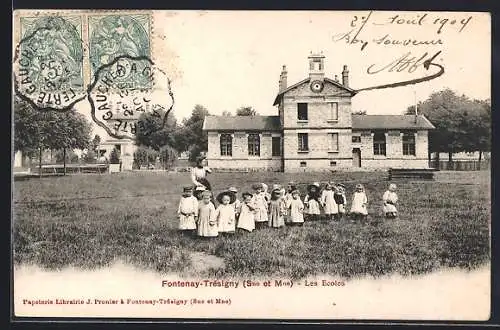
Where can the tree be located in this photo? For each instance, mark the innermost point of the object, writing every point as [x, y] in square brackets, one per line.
[246, 111]
[359, 112]
[226, 113]
[451, 115]
[114, 158]
[190, 136]
[96, 142]
[152, 133]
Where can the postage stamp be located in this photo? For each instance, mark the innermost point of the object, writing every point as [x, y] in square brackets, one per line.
[49, 61]
[120, 35]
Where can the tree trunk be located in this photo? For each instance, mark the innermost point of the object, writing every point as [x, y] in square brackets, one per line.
[40, 163]
[64, 161]
[479, 161]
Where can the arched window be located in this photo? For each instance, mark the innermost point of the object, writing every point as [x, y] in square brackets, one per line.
[226, 145]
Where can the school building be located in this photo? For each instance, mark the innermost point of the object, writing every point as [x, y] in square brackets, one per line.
[316, 130]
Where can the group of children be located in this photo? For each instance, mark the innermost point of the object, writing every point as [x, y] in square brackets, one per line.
[275, 209]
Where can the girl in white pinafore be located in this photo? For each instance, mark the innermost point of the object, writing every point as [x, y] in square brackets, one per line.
[312, 201]
[188, 210]
[328, 201]
[261, 207]
[207, 223]
[390, 198]
[359, 203]
[224, 214]
[287, 197]
[296, 209]
[246, 220]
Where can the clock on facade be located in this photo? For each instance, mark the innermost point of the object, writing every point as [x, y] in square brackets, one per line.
[317, 86]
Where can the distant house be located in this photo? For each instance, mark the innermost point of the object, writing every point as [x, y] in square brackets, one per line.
[315, 129]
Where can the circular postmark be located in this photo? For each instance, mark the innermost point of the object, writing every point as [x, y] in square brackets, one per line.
[125, 90]
[48, 64]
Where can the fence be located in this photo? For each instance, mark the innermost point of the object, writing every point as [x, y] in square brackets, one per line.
[460, 165]
[72, 168]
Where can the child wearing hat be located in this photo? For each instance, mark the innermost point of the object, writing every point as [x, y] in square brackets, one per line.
[224, 214]
[276, 209]
[236, 204]
[246, 220]
[187, 211]
[328, 202]
[340, 199]
[390, 198]
[296, 208]
[261, 206]
[359, 209]
[312, 201]
[207, 221]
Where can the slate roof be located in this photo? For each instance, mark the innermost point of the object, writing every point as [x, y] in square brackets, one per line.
[390, 122]
[242, 123]
[336, 83]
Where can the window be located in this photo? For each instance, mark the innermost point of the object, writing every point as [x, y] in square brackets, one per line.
[334, 141]
[253, 144]
[302, 111]
[379, 143]
[303, 142]
[409, 143]
[276, 146]
[356, 139]
[332, 163]
[334, 111]
[226, 145]
[303, 164]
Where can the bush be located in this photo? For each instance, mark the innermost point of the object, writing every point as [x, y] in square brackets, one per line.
[144, 156]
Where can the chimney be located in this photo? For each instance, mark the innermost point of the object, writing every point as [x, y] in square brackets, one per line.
[283, 79]
[345, 76]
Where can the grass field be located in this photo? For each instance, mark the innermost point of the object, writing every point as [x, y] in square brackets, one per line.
[91, 221]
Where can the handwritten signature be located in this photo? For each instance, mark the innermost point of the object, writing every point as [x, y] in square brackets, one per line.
[405, 62]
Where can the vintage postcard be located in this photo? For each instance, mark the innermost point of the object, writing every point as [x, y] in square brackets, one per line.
[281, 165]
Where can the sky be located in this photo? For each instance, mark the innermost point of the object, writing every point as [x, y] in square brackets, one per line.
[227, 59]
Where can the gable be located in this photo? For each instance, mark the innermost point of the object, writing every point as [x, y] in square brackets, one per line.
[331, 88]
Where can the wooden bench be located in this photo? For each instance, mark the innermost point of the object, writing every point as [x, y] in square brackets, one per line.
[411, 173]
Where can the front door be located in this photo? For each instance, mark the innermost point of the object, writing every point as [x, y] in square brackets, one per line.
[356, 157]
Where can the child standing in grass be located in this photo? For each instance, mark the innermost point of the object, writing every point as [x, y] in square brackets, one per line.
[287, 196]
[246, 220]
[207, 222]
[390, 198]
[340, 199]
[261, 206]
[224, 214]
[236, 204]
[276, 209]
[312, 201]
[328, 202]
[187, 211]
[359, 209]
[296, 208]
[267, 196]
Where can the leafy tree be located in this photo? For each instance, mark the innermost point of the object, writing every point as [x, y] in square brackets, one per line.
[114, 158]
[96, 142]
[90, 157]
[190, 136]
[152, 133]
[226, 113]
[144, 156]
[246, 111]
[453, 116]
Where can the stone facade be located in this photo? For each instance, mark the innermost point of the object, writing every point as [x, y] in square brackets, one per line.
[318, 132]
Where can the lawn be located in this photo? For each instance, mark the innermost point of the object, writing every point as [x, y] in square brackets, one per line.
[92, 221]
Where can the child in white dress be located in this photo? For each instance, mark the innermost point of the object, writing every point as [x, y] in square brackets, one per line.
[267, 196]
[261, 207]
[224, 214]
[296, 208]
[287, 196]
[312, 201]
[390, 199]
[207, 223]
[236, 204]
[328, 202]
[359, 209]
[187, 211]
[341, 200]
[246, 220]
